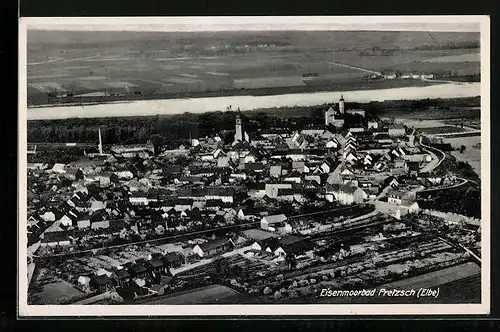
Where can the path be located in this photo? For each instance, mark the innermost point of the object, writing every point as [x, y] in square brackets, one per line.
[455, 244]
[354, 67]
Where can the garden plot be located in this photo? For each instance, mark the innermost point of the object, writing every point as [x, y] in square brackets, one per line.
[57, 293]
[441, 130]
[437, 278]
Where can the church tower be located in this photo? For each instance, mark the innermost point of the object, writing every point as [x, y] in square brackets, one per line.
[341, 104]
[239, 128]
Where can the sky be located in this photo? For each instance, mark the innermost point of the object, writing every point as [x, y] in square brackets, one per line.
[259, 23]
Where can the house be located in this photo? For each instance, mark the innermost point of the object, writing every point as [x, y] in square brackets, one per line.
[397, 210]
[84, 281]
[135, 185]
[273, 188]
[102, 282]
[99, 219]
[212, 248]
[268, 222]
[392, 182]
[96, 205]
[285, 195]
[289, 245]
[328, 165]
[52, 239]
[173, 260]
[225, 194]
[275, 171]
[156, 267]
[138, 270]
[59, 168]
[124, 175]
[254, 167]
[345, 194]
[73, 174]
[356, 129]
[372, 124]
[397, 130]
[138, 198]
[413, 168]
[122, 277]
[48, 216]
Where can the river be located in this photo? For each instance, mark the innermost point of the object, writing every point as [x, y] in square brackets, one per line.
[209, 104]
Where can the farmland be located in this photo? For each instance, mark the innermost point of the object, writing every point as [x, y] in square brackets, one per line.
[173, 65]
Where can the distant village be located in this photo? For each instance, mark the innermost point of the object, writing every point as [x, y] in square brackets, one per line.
[244, 209]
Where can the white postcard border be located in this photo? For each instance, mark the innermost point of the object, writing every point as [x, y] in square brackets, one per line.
[255, 23]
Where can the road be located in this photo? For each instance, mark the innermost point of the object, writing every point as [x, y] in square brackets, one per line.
[436, 161]
[463, 182]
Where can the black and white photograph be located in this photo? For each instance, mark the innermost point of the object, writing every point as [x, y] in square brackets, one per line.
[320, 165]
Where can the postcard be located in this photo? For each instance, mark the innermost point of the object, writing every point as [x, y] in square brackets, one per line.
[223, 166]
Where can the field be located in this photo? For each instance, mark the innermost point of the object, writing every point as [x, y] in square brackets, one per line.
[213, 294]
[179, 64]
[472, 152]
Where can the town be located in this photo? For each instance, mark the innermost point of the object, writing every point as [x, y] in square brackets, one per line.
[271, 216]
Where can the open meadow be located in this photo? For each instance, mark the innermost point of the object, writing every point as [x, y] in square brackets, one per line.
[137, 65]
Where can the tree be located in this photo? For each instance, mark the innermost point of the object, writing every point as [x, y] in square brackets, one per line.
[291, 261]
[158, 142]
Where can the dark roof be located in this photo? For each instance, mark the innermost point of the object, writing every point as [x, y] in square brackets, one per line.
[214, 244]
[121, 274]
[297, 247]
[98, 215]
[413, 165]
[254, 166]
[214, 203]
[341, 188]
[54, 237]
[156, 263]
[102, 279]
[173, 257]
[285, 191]
[138, 268]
